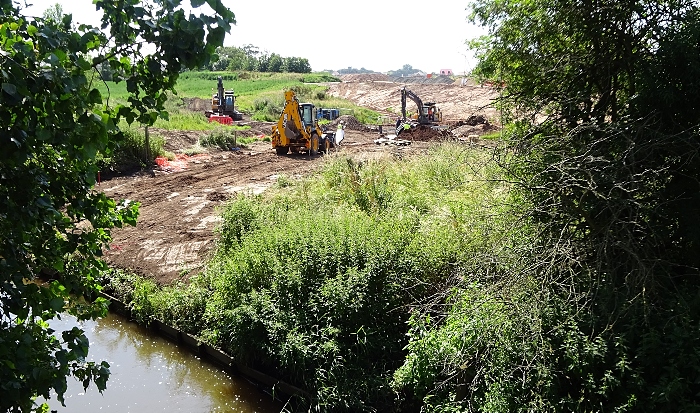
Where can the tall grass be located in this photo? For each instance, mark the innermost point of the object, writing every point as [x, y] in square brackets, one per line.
[130, 152]
[227, 137]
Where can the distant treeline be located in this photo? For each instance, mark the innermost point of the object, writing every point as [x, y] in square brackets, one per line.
[406, 70]
[250, 58]
[353, 71]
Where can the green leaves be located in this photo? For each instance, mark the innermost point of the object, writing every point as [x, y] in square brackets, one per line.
[610, 169]
[216, 36]
[55, 124]
[10, 89]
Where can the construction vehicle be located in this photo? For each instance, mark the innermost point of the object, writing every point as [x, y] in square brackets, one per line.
[428, 113]
[297, 129]
[330, 114]
[223, 109]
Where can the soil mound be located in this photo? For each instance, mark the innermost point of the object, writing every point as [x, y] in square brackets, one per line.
[351, 123]
[433, 80]
[197, 104]
[471, 121]
[474, 125]
[365, 77]
[425, 133]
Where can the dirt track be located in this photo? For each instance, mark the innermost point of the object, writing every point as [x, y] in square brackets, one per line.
[178, 215]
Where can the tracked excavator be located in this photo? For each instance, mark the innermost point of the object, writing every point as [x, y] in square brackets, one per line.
[223, 105]
[297, 129]
[428, 113]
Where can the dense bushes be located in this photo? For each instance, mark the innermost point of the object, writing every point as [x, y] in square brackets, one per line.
[318, 283]
[608, 317]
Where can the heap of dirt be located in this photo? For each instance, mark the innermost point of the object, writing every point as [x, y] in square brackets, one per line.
[474, 125]
[433, 80]
[365, 77]
[471, 121]
[177, 140]
[350, 123]
[425, 133]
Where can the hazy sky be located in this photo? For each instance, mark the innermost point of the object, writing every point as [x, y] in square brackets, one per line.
[379, 35]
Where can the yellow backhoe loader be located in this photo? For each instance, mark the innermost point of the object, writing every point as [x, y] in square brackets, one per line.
[297, 129]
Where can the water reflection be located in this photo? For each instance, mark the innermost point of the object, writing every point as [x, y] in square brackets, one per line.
[151, 374]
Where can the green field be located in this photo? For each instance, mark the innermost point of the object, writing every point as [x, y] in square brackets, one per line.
[259, 95]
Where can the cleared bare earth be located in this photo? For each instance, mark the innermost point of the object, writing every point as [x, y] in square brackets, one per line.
[180, 202]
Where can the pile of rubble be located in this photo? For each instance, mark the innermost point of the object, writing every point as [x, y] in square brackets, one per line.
[474, 125]
[351, 123]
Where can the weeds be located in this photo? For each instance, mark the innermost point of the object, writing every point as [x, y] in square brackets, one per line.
[227, 138]
[131, 152]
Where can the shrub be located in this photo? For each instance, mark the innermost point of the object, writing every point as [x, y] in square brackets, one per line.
[315, 281]
[225, 138]
[131, 151]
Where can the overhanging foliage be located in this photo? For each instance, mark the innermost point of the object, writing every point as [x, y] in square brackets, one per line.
[54, 122]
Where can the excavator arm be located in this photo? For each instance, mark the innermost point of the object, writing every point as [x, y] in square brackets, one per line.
[423, 117]
[407, 93]
[220, 94]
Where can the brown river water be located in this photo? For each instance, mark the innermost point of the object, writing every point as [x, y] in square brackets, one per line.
[150, 374]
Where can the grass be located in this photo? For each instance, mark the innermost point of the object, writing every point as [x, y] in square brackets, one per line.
[261, 95]
[130, 152]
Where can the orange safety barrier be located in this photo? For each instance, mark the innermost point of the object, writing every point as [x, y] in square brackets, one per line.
[224, 120]
[179, 163]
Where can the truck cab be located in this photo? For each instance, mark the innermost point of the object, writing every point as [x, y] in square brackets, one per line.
[308, 117]
[329, 114]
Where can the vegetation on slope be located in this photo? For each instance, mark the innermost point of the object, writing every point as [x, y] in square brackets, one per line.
[316, 281]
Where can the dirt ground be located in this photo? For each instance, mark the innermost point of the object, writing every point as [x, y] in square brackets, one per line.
[180, 200]
[456, 102]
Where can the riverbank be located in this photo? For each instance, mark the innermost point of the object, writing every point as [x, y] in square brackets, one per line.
[276, 389]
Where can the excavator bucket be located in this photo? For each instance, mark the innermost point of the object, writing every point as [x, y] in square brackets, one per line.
[291, 132]
[339, 136]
